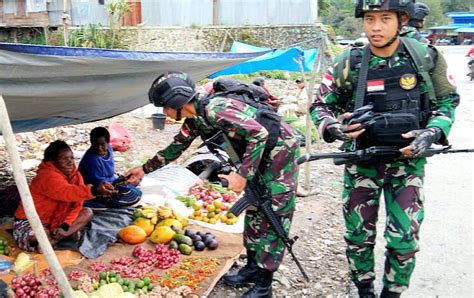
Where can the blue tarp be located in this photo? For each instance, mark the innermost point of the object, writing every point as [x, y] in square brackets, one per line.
[46, 86]
[277, 59]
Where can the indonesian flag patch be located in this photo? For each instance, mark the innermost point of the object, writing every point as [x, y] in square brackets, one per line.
[184, 132]
[327, 79]
[375, 85]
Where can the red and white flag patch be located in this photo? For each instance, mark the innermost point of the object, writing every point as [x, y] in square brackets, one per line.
[327, 79]
[184, 132]
[375, 85]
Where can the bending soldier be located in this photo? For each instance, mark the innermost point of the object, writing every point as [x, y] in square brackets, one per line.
[415, 108]
[240, 123]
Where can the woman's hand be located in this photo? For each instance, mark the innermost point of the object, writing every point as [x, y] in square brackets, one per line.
[59, 234]
[106, 189]
[135, 175]
[237, 183]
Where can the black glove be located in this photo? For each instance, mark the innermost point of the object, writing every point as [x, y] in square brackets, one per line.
[424, 138]
[336, 130]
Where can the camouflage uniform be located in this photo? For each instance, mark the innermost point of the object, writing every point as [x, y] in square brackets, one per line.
[237, 120]
[401, 180]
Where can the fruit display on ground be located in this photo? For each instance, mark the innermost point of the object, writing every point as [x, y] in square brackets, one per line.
[211, 203]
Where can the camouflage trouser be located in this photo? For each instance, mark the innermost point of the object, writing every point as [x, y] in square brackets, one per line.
[401, 184]
[261, 238]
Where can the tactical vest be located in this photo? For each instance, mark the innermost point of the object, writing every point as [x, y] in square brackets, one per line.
[399, 105]
[266, 116]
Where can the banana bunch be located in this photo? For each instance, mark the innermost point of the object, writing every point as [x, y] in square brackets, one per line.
[180, 218]
[155, 214]
[148, 211]
[165, 212]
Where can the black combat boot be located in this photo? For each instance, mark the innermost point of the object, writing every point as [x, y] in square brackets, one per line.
[263, 285]
[245, 275]
[366, 290]
[387, 294]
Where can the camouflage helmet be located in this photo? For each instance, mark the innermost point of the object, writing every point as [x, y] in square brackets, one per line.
[402, 6]
[419, 12]
[172, 90]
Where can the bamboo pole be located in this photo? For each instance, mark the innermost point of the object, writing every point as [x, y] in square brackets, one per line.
[28, 204]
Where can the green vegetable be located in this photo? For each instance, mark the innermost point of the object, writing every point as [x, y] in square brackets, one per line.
[187, 200]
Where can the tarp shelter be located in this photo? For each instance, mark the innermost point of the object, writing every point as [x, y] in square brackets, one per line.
[45, 86]
[276, 59]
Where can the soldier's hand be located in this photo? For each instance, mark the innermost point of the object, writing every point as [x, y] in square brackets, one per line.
[344, 132]
[237, 183]
[422, 140]
[135, 175]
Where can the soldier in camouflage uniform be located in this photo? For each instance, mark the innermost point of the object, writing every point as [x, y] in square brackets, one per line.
[390, 71]
[175, 92]
[416, 22]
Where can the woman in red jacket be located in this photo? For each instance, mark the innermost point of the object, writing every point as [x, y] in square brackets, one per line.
[58, 192]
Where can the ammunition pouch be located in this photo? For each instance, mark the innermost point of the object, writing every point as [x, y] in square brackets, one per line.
[386, 129]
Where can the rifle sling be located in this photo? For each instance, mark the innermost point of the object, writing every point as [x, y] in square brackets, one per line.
[361, 83]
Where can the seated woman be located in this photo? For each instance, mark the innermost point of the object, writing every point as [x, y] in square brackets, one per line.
[97, 166]
[58, 192]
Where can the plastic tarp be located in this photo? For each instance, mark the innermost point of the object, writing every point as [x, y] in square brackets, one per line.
[277, 59]
[46, 86]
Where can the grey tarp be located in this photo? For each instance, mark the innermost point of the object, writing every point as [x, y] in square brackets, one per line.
[53, 86]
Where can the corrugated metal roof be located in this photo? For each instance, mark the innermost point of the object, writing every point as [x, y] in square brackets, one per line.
[452, 26]
[465, 30]
[460, 14]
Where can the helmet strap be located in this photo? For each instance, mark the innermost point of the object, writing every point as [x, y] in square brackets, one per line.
[178, 114]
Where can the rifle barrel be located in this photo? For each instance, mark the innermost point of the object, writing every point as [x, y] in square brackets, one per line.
[317, 156]
[339, 157]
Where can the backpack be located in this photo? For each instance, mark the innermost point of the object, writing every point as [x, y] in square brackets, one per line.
[351, 56]
[251, 95]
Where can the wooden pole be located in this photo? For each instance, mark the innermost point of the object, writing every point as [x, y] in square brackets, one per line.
[46, 34]
[28, 204]
[65, 21]
[214, 12]
[309, 124]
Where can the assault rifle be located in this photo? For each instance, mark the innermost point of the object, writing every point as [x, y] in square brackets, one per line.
[256, 194]
[372, 153]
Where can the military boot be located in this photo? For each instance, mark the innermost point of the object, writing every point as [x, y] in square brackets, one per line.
[245, 275]
[366, 290]
[263, 285]
[387, 294]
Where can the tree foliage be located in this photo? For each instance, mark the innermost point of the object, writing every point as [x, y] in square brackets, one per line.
[339, 14]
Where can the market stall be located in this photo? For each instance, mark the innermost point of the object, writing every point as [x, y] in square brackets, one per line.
[180, 240]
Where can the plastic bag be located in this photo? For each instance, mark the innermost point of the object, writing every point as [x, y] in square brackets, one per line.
[120, 138]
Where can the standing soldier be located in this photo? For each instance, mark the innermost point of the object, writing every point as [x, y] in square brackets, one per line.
[417, 16]
[253, 137]
[417, 105]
